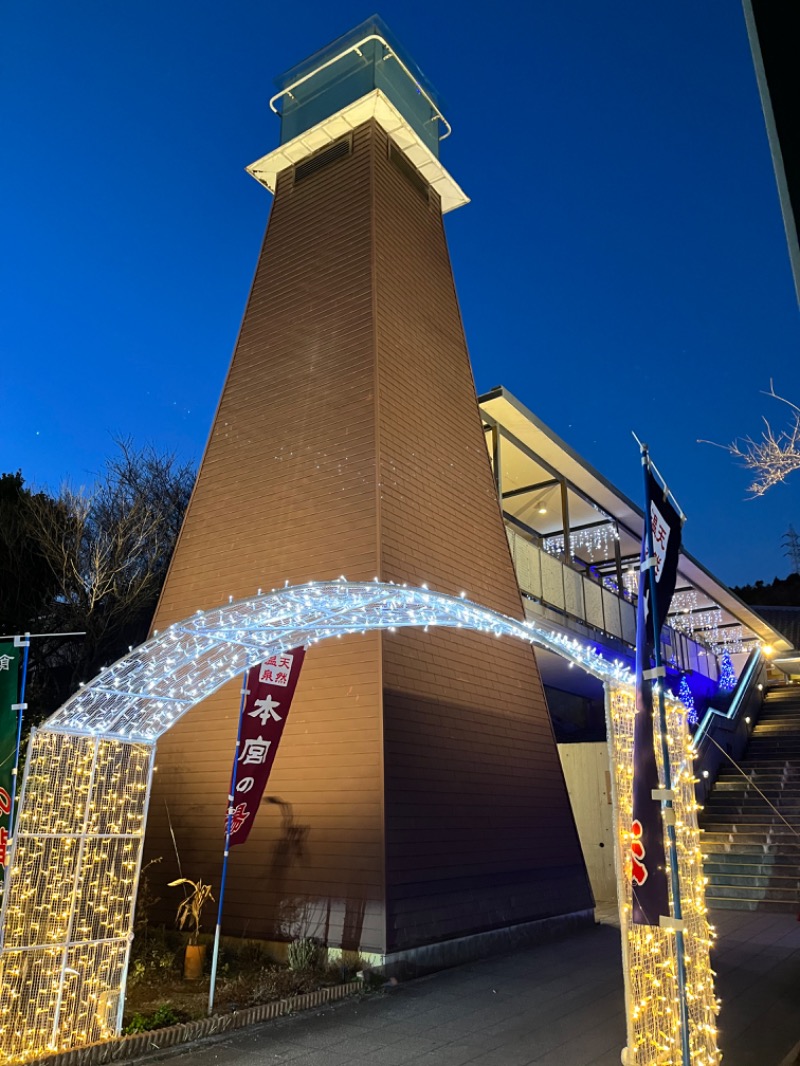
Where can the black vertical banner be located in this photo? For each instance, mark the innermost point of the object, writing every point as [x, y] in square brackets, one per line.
[662, 539]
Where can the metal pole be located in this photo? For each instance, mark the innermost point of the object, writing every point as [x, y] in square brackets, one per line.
[227, 848]
[20, 708]
[667, 803]
[81, 633]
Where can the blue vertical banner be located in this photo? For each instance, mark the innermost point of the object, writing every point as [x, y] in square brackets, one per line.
[658, 571]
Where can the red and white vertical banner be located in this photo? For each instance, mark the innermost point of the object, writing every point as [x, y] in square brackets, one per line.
[270, 690]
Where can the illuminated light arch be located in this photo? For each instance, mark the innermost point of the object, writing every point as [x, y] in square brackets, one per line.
[68, 908]
[144, 694]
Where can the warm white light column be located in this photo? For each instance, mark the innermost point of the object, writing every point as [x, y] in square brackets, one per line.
[651, 983]
[68, 911]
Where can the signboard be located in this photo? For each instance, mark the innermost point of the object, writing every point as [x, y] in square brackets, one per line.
[270, 690]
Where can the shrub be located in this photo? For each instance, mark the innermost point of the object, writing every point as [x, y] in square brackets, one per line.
[155, 957]
[303, 954]
[161, 1017]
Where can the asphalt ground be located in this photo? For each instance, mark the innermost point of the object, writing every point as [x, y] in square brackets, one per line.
[557, 1004]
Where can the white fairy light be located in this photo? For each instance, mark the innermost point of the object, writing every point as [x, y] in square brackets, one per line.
[599, 539]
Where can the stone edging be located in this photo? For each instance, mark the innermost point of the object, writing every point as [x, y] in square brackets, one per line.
[138, 1044]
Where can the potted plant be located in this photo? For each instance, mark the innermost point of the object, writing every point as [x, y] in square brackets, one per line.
[190, 912]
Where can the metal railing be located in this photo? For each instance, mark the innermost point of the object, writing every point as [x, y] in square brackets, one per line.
[723, 735]
[581, 597]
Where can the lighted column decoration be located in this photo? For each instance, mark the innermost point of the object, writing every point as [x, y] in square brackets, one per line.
[649, 958]
[67, 921]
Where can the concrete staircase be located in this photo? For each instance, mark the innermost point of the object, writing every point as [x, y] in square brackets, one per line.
[752, 856]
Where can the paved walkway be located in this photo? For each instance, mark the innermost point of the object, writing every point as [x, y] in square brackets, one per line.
[559, 1004]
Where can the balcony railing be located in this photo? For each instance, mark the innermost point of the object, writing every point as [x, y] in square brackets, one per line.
[581, 597]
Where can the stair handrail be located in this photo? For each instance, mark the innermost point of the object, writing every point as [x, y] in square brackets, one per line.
[750, 781]
[734, 724]
[743, 687]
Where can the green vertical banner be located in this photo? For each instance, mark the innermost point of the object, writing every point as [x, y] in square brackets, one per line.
[10, 660]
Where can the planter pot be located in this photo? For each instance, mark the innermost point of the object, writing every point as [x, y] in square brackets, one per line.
[193, 962]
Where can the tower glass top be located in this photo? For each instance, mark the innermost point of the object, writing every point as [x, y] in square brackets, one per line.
[368, 57]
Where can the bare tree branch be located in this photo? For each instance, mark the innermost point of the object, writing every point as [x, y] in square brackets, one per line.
[108, 550]
[774, 456]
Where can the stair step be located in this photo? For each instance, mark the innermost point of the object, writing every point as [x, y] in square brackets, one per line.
[788, 783]
[712, 849]
[723, 903]
[760, 866]
[730, 833]
[734, 773]
[775, 782]
[751, 855]
[749, 793]
[783, 895]
[763, 821]
[771, 756]
[758, 882]
[759, 744]
[752, 812]
[762, 817]
[768, 788]
[774, 793]
[751, 808]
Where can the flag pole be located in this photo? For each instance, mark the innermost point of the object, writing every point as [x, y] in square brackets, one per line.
[23, 642]
[666, 804]
[227, 848]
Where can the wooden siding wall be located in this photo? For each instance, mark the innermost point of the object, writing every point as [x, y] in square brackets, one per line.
[348, 441]
[286, 491]
[478, 824]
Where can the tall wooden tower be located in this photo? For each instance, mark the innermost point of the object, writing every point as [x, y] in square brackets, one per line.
[417, 796]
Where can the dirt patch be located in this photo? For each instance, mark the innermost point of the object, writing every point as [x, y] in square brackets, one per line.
[158, 995]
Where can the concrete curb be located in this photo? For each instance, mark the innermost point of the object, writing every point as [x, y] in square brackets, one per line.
[138, 1044]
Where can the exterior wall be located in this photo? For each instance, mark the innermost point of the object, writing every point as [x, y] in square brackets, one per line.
[418, 773]
[286, 492]
[479, 833]
[589, 784]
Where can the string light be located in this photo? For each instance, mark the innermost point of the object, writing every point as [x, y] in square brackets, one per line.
[74, 863]
[683, 603]
[72, 884]
[727, 674]
[600, 539]
[654, 1024]
[687, 699]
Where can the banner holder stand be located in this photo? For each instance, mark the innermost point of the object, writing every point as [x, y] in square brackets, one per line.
[675, 922]
[227, 849]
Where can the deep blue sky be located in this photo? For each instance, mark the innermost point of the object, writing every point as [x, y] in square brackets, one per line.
[623, 248]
